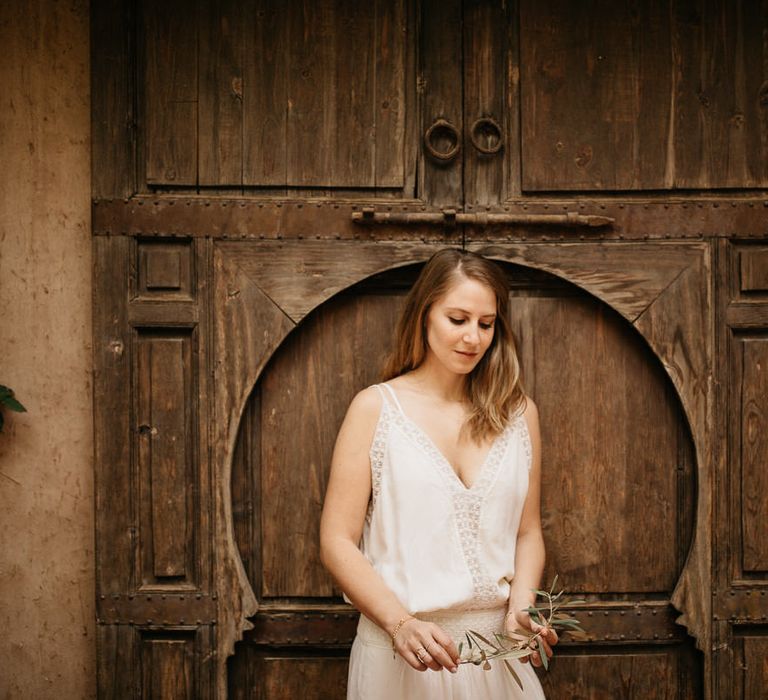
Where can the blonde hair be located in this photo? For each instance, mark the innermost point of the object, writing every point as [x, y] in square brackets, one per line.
[494, 386]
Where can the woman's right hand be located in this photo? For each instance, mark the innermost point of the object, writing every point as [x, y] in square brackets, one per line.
[417, 638]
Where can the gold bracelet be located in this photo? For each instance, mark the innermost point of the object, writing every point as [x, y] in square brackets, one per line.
[402, 621]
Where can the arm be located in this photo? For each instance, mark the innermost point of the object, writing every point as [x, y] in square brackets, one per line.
[341, 526]
[529, 553]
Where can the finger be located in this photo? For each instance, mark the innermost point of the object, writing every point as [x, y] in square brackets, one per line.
[553, 638]
[428, 659]
[440, 655]
[447, 643]
[413, 660]
[536, 659]
[547, 648]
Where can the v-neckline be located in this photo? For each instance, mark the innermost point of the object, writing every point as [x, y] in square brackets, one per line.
[441, 458]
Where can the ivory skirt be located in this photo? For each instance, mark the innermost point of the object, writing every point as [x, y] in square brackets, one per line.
[375, 673]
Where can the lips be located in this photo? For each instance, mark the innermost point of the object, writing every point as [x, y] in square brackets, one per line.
[467, 354]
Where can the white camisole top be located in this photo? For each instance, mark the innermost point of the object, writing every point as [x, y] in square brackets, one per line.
[437, 544]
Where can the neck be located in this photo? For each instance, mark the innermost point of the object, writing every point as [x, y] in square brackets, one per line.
[433, 378]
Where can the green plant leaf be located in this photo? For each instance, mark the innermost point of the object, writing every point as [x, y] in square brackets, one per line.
[514, 674]
[543, 654]
[483, 639]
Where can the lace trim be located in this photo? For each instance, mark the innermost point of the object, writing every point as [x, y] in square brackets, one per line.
[376, 453]
[526, 439]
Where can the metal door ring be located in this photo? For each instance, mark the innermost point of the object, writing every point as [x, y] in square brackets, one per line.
[443, 128]
[488, 128]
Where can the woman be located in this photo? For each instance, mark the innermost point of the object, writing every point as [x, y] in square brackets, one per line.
[436, 475]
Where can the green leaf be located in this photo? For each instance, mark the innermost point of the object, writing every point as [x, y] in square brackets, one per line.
[469, 640]
[514, 675]
[543, 654]
[461, 646]
[483, 639]
[552, 587]
[7, 399]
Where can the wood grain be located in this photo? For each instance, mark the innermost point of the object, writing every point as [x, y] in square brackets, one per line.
[304, 393]
[170, 93]
[220, 112]
[441, 77]
[753, 399]
[166, 471]
[601, 82]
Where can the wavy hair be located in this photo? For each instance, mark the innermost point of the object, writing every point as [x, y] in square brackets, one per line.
[494, 386]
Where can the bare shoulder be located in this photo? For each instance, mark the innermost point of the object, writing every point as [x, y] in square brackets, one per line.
[531, 414]
[364, 409]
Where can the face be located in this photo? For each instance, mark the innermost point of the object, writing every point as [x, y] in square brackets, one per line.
[460, 325]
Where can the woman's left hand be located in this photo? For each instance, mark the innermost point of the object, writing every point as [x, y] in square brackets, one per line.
[521, 619]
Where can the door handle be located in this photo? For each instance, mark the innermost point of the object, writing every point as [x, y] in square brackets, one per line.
[442, 129]
[486, 135]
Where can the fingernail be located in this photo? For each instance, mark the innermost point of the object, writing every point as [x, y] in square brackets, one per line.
[454, 669]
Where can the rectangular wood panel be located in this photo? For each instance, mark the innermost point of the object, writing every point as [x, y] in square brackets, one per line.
[595, 89]
[164, 397]
[661, 674]
[754, 447]
[168, 662]
[654, 95]
[753, 264]
[170, 92]
[720, 69]
[266, 675]
[755, 666]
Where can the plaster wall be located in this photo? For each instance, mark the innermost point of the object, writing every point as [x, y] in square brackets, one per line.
[47, 615]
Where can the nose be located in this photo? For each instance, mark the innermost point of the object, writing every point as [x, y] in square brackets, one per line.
[472, 335]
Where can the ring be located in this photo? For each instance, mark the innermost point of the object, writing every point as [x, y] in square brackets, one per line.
[419, 652]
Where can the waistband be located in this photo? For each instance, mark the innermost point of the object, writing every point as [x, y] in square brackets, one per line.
[453, 622]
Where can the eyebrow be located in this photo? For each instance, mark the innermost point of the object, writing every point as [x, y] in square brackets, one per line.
[464, 311]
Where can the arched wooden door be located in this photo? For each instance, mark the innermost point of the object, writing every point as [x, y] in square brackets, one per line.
[619, 499]
[266, 173]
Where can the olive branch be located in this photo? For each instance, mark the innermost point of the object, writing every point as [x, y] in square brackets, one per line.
[481, 651]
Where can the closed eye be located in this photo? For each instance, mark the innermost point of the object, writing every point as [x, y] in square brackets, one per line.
[459, 321]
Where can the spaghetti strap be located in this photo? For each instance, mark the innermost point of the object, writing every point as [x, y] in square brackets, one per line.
[393, 395]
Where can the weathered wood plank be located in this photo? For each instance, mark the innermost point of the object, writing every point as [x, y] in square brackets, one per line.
[299, 275]
[112, 410]
[720, 72]
[278, 677]
[305, 393]
[353, 157]
[118, 651]
[167, 666]
[616, 273]
[170, 93]
[220, 113]
[600, 488]
[753, 400]
[600, 81]
[485, 62]
[165, 469]
[113, 143]
[755, 667]
[332, 219]
[312, 115]
[390, 55]
[441, 77]
[247, 328]
[753, 263]
[265, 96]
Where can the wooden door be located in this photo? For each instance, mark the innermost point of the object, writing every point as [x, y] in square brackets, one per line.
[268, 180]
